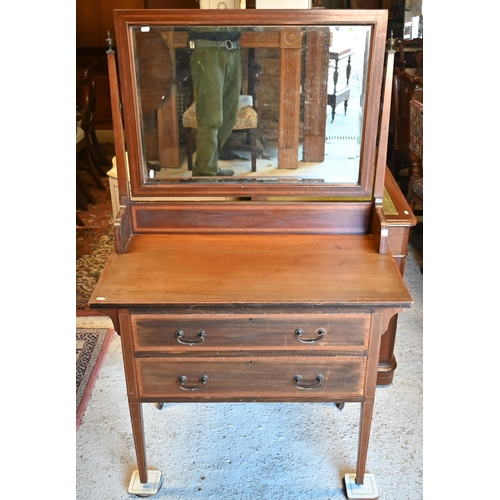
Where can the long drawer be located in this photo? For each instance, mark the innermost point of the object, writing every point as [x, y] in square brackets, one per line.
[164, 333]
[246, 378]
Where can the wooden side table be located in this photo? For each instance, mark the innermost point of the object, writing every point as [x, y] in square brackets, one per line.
[340, 95]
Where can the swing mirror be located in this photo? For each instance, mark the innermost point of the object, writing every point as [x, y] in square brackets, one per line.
[308, 95]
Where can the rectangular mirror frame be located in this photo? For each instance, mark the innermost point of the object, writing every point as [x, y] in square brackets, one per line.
[126, 19]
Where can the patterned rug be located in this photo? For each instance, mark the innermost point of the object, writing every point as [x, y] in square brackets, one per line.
[89, 268]
[91, 347]
[94, 241]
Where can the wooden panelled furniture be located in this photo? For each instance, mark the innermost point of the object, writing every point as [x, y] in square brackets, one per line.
[416, 183]
[406, 87]
[89, 155]
[94, 18]
[95, 160]
[253, 289]
[410, 54]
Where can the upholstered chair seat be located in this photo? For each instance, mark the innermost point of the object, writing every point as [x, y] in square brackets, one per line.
[246, 118]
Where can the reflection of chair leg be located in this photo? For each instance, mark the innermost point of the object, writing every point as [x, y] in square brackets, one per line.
[253, 149]
[332, 102]
[190, 146]
[227, 152]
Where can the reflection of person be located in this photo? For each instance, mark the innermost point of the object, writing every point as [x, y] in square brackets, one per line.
[216, 73]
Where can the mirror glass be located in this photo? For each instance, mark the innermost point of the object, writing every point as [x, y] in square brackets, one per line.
[268, 104]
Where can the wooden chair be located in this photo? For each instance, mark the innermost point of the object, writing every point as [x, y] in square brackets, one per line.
[87, 146]
[409, 54]
[246, 119]
[96, 162]
[405, 88]
[91, 95]
[83, 192]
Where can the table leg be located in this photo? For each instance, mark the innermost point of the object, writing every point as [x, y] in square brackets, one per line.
[380, 323]
[139, 441]
[134, 404]
[364, 438]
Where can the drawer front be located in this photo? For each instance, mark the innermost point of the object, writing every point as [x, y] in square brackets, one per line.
[198, 332]
[248, 378]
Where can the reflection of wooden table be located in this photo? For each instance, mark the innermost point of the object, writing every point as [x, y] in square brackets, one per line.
[342, 94]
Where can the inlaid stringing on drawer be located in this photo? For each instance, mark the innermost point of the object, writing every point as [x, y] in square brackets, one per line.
[249, 377]
[164, 333]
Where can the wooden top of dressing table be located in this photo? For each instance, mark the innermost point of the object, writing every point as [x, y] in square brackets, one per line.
[250, 269]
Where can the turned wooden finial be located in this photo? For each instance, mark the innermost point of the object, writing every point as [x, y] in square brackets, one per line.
[109, 41]
[391, 42]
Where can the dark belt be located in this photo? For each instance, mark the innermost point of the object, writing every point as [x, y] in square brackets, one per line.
[222, 44]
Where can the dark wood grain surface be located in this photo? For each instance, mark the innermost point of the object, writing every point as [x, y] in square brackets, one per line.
[163, 269]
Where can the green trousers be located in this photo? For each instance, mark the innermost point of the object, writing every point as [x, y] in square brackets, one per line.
[216, 74]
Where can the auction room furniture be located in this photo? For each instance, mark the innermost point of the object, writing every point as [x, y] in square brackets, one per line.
[340, 94]
[406, 88]
[86, 107]
[416, 183]
[224, 289]
[410, 54]
[95, 161]
[83, 194]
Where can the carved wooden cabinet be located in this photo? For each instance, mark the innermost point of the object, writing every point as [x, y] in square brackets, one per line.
[267, 286]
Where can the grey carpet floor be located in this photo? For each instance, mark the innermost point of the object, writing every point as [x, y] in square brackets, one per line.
[254, 451]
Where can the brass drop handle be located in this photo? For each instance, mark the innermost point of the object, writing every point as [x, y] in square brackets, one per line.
[179, 334]
[308, 386]
[183, 379]
[299, 332]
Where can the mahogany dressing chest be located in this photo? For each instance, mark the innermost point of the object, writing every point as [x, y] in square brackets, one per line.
[267, 286]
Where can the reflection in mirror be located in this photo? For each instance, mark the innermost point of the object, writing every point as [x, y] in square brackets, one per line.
[270, 104]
